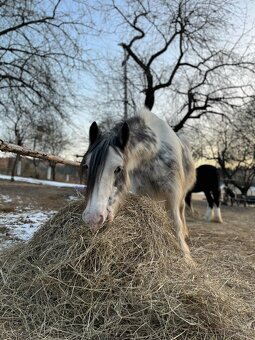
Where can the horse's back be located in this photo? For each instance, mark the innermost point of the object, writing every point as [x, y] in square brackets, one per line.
[178, 152]
[165, 134]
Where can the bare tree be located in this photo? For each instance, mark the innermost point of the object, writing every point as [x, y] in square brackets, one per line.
[38, 48]
[18, 123]
[52, 138]
[180, 47]
[231, 144]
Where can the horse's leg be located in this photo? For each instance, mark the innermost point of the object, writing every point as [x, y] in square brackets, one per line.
[209, 211]
[232, 200]
[217, 212]
[182, 214]
[173, 206]
[188, 202]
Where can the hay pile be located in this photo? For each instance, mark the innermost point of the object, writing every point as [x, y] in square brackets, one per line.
[127, 282]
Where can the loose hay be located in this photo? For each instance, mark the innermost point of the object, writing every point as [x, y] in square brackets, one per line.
[129, 281]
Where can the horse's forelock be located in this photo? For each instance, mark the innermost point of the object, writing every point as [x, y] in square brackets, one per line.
[98, 153]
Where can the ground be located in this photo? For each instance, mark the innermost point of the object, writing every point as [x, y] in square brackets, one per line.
[25, 206]
[228, 248]
[236, 233]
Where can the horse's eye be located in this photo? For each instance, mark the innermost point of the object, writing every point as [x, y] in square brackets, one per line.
[118, 170]
[85, 166]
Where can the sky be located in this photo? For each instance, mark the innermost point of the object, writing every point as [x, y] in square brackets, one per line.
[109, 45]
[85, 86]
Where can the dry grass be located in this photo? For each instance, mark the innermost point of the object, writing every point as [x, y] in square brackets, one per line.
[127, 282]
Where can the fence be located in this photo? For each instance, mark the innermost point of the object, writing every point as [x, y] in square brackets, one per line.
[52, 160]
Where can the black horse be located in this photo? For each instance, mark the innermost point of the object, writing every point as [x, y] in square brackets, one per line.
[208, 181]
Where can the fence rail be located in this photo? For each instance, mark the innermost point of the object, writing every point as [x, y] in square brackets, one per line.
[21, 150]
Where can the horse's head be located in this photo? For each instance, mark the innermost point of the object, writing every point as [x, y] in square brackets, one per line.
[104, 163]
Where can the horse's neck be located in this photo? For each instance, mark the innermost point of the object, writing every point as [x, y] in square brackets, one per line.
[143, 140]
[139, 153]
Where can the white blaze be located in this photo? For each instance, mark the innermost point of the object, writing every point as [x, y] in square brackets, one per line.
[96, 209]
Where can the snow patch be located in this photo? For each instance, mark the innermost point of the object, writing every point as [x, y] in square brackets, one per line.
[43, 182]
[5, 198]
[72, 198]
[22, 225]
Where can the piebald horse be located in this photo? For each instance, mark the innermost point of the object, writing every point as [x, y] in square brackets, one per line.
[144, 155]
[208, 181]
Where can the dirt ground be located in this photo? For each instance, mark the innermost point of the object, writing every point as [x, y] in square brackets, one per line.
[228, 248]
[37, 196]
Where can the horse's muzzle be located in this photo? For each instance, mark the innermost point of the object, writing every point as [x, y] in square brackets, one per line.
[95, 221]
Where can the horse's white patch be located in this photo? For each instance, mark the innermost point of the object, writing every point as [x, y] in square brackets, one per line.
[96, 210]
[217, 215]
[209, 214]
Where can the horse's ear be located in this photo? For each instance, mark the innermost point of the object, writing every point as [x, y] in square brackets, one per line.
[93, 132]
[123, 136]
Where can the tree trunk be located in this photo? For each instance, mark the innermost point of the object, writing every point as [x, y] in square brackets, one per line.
[149, 98]
[14, 166]
[35, 169]
[244, 196]
[53, 171]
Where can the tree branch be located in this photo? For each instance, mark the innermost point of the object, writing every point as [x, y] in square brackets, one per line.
[8, 147]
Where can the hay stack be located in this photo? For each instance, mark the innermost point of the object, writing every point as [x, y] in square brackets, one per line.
[127, 282]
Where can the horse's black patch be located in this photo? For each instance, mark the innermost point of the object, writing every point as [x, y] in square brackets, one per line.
[141, 133]
[208, 181]
[166, 155]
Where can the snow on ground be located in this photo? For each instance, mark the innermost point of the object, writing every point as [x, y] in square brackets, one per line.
[73, 198]
[22, 225]
[5, 198]
[251, 191]
[43, 182]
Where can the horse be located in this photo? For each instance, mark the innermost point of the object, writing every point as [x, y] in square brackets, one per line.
[208, 181]
[142, 155]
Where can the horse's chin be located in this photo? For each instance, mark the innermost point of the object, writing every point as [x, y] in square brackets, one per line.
[95, 228]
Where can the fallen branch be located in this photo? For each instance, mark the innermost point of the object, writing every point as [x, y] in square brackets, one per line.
[8, 147]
